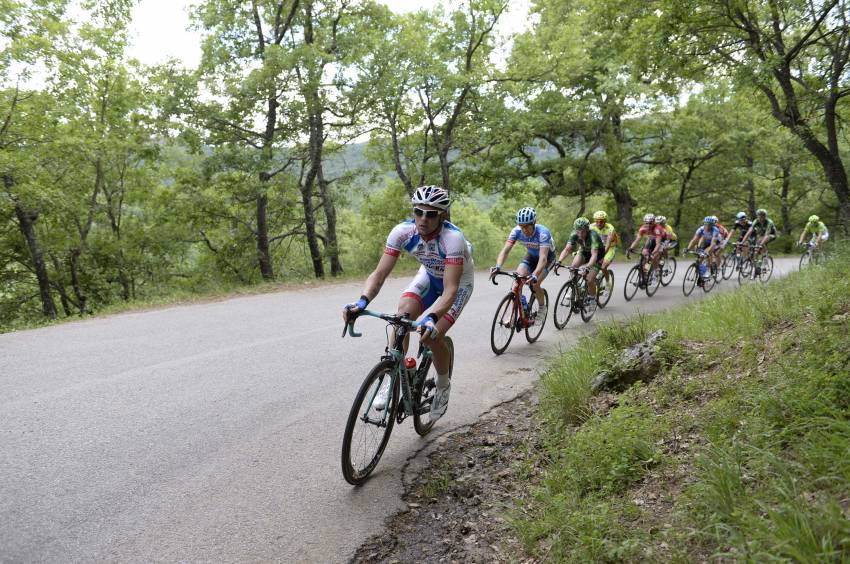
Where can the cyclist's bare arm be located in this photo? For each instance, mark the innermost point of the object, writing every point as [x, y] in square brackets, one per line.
[451, 283]
[375, 281]
[693, 242]
[541, 262]
[568, 248]
[749, 232]
[503, 254]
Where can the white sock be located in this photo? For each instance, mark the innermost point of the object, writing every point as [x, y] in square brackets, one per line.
[442, 381]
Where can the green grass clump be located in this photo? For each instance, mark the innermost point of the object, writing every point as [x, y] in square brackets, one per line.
[745, 433]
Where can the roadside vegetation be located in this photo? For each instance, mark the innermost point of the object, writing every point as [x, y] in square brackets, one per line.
[739, 449]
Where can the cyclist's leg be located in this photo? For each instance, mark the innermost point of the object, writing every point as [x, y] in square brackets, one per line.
[439, 349]
[417, 297]
[538, 288]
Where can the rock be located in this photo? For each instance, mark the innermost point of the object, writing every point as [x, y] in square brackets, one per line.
[636, 363]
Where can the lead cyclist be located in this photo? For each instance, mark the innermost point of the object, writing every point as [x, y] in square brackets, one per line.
[444, 282]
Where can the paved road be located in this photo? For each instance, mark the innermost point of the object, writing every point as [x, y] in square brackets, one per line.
[212, 432]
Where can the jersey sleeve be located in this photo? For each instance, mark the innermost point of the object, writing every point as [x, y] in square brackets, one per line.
[397, 239]
[455, 246]
[545, 238]
[513, 236]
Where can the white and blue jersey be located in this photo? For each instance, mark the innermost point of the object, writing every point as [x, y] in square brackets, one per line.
[707, 236]
[447, 246]
[541, 237]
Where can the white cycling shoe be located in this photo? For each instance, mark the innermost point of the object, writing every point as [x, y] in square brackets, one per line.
[383, 396]
[440, 403]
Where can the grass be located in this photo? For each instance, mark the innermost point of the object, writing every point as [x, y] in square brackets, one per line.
[738, 450]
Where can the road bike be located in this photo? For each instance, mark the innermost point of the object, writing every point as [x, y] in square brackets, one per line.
[733, 260]
[694, 276]
[810, 256]
[513, 316]
[642, 276]
[756, 266]
[573, 297]
[604, 287]
[409, 392]
[667, 266]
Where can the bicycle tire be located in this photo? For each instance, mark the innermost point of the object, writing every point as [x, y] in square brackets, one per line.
[690, 280]
[564, 302]
[384, 369]
[730, 261]
[425, 392]
[506, 307]
[709, 281]
[632, 281]
[609, 290]
[746, 270]
[806, 260]
[586, 307]
[530, 334]
[653, 281]
[668, 273]
[766, 266]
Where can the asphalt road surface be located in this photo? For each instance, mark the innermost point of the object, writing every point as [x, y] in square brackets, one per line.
[212, 432]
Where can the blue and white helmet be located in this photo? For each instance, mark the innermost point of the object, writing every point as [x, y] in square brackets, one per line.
[741, 215]
[433, 196]
[709, 219]
[526, 215]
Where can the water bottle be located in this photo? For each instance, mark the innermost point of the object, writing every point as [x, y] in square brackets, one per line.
[524, 302]
[702, 269]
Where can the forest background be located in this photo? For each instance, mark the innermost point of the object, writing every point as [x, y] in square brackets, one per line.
[291, 149]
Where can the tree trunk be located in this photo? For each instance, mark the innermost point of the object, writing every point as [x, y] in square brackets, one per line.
[73, 268]
[60, 289]
[263, 251]
[786, 209]
[26, 222]
[750, 185]
[332, 247]
[625, 206]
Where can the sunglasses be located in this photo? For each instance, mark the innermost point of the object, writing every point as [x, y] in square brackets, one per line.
[430, 214]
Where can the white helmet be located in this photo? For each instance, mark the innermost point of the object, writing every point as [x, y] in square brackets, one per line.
[433, 196]
[661, 219]
[649, 218]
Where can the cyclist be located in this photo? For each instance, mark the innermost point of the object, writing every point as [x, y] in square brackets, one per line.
[707, 237]
[764, 231]
[589, 251]
[540, 250]
[609, 236]
[817, 229]
[672, 239]
[656, 235]
[721, 244]
[444, 282]
[742, 226]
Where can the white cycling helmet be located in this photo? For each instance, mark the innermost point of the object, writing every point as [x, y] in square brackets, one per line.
[433, 196]
[649, 218]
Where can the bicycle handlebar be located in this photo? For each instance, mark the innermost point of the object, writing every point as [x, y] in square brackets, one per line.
[571, 268]
[513, 275]
[391, 318]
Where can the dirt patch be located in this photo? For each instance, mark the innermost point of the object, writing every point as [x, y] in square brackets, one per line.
[458, 509]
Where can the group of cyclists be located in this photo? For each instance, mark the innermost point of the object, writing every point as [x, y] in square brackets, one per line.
[444, 282]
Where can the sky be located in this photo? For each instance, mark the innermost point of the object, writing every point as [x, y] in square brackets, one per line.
[160, 28]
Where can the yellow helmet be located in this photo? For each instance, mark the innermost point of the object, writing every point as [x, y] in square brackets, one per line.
[600, 215]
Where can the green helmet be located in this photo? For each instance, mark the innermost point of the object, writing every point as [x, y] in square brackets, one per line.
[813, 219]
[761, 211]
[581, 223]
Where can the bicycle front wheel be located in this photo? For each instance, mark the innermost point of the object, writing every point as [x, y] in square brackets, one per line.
[766, 269]
[729, 263]
[537, 314]
[605, 289]
[504, 323]
[805, 260]
[563, 306]
[630, 288]
[587, 304]
[368, 428]
[709, 281]
[746, 271]
[653, 280]
[668, 271]
[690, 281]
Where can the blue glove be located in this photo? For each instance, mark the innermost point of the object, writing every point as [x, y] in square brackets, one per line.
[428, 327]
[359, 305]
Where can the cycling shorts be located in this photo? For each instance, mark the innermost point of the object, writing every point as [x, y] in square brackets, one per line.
[609, 256]
[530, 261]
[426, 289]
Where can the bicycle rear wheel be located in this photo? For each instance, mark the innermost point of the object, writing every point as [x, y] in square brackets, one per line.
[504, 323]
[630, 288]
[537, 314]
[690, 281]
[766, 269]
[563, 306]
[605, 289]
[422, 422]
[668, 271]
[368, 429]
